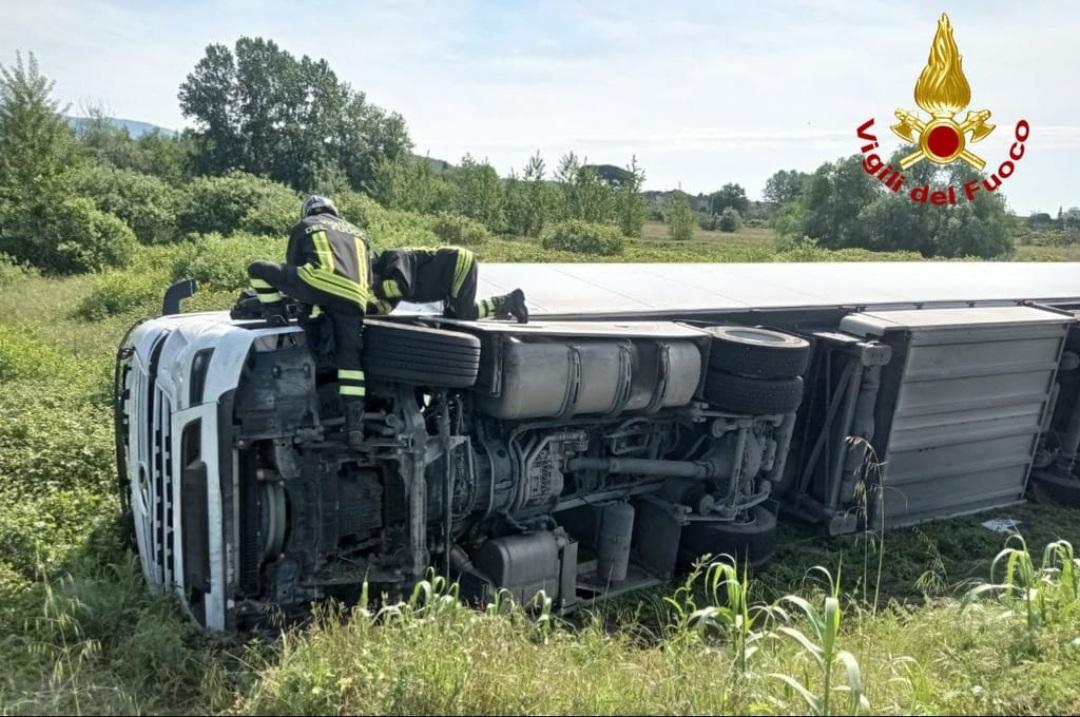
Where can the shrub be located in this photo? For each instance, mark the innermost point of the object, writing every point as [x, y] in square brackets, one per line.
[220, 263]
[22, 356]
[12, 271]
[456, 229]
[730, 220]
[66, 237]
[234, 201]
[273, 213]
[145, 203]
[118, 293]
[386, 227]
[585, 238]
[57, 461]
[680, 217]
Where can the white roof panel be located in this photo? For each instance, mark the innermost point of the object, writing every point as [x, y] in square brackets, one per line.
[629, 289]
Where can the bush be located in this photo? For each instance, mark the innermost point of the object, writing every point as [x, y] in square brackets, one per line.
[220, 263]
[120, 292]
[66, 237]
[386, 227]
[237, 201]
[12, 271]
[680, 217]
[456, 229]
[22, 356]
[145, 203]
[585, 238]
[730, 220]
[57, 461]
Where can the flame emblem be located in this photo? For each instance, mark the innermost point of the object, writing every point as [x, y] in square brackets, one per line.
[943, 91]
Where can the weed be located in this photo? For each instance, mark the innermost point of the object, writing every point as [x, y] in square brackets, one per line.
[822, 644]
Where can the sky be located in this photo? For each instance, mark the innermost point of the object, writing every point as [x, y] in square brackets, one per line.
[701, 93]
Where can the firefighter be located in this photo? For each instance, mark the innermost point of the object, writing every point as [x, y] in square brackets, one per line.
[447, 274]
[325, 269]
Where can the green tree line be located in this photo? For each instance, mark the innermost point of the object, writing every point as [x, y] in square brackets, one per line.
[268, 126]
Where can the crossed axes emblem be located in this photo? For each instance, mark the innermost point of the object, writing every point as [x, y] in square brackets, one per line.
[943, 139]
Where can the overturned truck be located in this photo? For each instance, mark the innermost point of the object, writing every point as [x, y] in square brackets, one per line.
[600, 449]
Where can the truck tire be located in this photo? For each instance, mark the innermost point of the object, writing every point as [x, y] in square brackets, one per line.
[749, 542]
[420, 355]
[753, 396]
[757, 353]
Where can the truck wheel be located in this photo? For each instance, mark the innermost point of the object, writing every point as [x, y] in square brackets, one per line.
[758, 353]
[417, 354]
[1056, 489]
[753, 396]
[749, 542]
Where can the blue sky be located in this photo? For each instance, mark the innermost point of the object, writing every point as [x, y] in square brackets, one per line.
[703, 93]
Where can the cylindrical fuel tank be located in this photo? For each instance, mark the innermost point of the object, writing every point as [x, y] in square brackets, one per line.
[613, 543]
[560, 379]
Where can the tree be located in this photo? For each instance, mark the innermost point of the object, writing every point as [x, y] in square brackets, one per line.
[729, 220]
[831, 201]
[478, 192]
[411, 184]
[730, 195]
[784, 186]
[529, 201]
[583, 193]
[36, 144]
[840, 206]
[680, 217]
[144, 202]
[261, 110]
[1071, 219]
[630, 205]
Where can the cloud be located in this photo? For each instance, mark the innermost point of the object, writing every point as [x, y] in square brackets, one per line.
[702, 93]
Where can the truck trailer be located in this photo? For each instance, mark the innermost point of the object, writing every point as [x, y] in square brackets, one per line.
[650, 414]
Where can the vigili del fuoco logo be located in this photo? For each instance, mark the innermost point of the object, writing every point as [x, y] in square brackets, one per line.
[943, 92]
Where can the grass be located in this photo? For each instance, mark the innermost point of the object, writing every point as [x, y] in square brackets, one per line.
[938, 631]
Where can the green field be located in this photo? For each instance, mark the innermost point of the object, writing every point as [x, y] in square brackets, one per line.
[79, 631]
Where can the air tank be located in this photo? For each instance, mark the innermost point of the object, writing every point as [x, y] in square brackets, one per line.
[613, 543]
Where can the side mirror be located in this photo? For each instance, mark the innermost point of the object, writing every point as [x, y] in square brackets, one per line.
[183, 289]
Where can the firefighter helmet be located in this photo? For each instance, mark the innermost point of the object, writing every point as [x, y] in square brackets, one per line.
[316, 204]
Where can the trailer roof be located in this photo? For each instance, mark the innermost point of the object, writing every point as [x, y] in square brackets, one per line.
[643, 289]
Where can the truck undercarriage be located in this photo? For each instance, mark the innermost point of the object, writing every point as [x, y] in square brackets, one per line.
[582, 458]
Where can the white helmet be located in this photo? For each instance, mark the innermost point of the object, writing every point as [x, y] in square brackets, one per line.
[317, 205]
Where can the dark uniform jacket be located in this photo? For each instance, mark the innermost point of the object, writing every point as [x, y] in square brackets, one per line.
[331, 255]
[423, 275]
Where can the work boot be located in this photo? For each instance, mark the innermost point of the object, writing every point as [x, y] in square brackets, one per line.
[512, 304]
[354, 423]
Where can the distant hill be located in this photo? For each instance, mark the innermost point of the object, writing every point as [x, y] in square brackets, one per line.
[135, 128]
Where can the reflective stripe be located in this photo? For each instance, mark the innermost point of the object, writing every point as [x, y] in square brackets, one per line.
[316, 311]
[390, 289]
[270, 298]
[333, 284]
[461, 270]
[260, 284]
[361, 261]
[322, 249]
[381, 307]
[485, 309]
[352, 390]
[350, 373]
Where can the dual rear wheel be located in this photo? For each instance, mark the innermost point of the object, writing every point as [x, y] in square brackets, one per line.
[757, 372]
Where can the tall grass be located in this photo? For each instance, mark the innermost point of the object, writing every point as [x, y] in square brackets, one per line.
[80, 632]
[819, 638]
[1043, 593]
